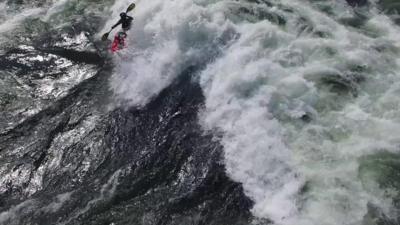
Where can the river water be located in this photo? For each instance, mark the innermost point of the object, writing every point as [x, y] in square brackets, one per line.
[278, 112]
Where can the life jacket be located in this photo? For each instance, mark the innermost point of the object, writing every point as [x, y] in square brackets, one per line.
[119, 42]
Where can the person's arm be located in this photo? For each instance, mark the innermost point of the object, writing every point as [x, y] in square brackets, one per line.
[119, 22]
[130, 18]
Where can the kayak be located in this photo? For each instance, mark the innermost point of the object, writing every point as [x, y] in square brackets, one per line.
[119, 42]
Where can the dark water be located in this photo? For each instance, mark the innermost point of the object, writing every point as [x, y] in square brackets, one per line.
[153, 165]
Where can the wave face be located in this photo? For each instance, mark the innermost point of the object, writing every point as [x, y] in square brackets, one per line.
[303, 96]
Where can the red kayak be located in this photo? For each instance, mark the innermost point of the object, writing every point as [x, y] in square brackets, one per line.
[119, 42]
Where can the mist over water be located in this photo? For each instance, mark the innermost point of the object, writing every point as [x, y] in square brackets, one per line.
[302, 92]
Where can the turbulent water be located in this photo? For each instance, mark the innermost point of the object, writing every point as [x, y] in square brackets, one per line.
[282, 112]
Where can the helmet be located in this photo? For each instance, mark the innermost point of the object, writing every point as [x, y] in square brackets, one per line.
[122, 14]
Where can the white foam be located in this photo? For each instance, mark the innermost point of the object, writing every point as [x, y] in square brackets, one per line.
[14, 20]
[12, 215]
[56, 7]
[238, 88]
[106, 192]
[58, 202]
[162, 48]
[11, 20]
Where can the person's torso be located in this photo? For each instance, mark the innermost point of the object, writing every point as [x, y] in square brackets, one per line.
[126, 22]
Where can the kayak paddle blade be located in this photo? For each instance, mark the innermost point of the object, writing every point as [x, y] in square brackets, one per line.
[131, 7]
[105, 36]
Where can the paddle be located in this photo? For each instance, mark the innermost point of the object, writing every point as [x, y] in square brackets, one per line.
[130, 8]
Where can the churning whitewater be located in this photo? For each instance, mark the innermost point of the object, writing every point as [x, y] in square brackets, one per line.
[303, 95]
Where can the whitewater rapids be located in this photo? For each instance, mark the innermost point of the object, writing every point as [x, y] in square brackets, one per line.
[303, 96]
